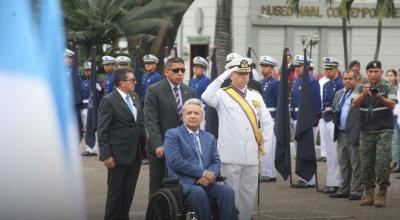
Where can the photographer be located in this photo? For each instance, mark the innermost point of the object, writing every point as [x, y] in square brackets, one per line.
[376, 99]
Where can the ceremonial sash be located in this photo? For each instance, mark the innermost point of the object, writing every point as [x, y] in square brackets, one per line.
[251, 115]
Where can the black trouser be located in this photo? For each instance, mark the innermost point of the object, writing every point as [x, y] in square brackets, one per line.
[121, 183]
[157, 173]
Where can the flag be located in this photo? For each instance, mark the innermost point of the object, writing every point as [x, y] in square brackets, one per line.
[281, 128]
[76, 92]
[40, 172]
[306, 162]
[93, 105]
[212, 115]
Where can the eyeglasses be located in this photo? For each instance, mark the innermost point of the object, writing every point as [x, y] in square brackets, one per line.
[176, 70]
[132, 80]
[348, 78]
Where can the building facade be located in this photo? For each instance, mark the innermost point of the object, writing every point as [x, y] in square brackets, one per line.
[267, 26]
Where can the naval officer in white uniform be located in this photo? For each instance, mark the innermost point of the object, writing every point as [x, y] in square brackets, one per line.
[245, 125]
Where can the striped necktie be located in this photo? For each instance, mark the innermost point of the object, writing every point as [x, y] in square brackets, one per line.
[197, 146]
[178, 101]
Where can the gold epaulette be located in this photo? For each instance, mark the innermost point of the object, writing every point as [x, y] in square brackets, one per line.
[225, 88]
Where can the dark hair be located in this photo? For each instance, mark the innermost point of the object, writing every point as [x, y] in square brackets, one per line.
[121, 74]
[174, 60]
[393, 71]
[347, 72]
[353, 63]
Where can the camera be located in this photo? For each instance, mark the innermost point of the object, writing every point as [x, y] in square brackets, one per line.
[374, 89]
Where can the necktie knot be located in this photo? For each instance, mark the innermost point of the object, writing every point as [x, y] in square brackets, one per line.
[176, 89]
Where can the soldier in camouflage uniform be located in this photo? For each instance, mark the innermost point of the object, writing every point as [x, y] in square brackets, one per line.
[376, 99]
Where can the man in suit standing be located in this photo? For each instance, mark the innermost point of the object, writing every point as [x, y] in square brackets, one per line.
[120, 131]
[162, 111]
[347, 134]
[191, 155]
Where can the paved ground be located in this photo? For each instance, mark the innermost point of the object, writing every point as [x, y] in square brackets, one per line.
[278, 200]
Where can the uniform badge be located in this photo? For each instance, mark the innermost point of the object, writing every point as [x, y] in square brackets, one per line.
[244, 66]
[257, 104]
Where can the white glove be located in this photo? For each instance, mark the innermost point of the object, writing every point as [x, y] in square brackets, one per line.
[227, 74]
[98, 87]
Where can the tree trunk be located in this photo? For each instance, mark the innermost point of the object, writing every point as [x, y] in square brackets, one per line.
[378, 39]
[344, 31]
[223, 32]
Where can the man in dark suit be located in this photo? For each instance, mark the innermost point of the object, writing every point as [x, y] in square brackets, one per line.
[120, 134]
[162, 111]
[347, 133]
[191, 155]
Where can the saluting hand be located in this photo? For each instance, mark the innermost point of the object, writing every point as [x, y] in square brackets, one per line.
[109, 163]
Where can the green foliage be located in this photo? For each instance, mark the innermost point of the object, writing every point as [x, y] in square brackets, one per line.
[385, 8]
[104, 21]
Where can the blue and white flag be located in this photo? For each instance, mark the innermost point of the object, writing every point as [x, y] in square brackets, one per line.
[40, 170]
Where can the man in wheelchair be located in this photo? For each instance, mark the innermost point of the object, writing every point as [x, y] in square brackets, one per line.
[191, 155]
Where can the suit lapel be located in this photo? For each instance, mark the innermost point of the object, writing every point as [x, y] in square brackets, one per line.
[122, 103]
[189, 139]
[185, 94]
[204, 151]
[168, 91]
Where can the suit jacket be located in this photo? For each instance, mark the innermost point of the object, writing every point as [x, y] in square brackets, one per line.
[160, 111]
[119, 135]
[352, 130]
[181, 156]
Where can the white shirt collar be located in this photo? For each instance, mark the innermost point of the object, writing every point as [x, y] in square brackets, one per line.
[191, 132]
[123, 94]
[173, 86]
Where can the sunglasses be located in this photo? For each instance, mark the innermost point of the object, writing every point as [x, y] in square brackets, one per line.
[176, 70]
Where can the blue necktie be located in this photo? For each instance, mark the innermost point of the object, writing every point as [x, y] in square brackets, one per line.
[344, 97]
[197, 146]
[129, 102]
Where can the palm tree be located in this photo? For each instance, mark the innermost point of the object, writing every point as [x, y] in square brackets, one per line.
[344, 11]
[223, 31]
[384, 8]
[97, 22]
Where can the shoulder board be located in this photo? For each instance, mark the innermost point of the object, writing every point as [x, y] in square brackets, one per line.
[252, 90]
[225, 88]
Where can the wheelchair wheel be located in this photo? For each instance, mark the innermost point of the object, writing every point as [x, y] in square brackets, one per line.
[163, 206]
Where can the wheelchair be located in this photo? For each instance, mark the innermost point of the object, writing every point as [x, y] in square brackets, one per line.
[169, 203]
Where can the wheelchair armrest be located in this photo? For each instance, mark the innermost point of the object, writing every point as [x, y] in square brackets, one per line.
[220, 178]
[170, 180]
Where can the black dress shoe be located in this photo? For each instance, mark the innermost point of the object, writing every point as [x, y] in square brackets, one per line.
[321, 159]
[397, 177]
[302, 184]
[88, 154]
[354, 197]
[329, 189]
[267, 179]
[339, 195]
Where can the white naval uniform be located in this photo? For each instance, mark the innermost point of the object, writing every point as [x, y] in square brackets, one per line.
[237, 146]
[321, 123]
[328, 146]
